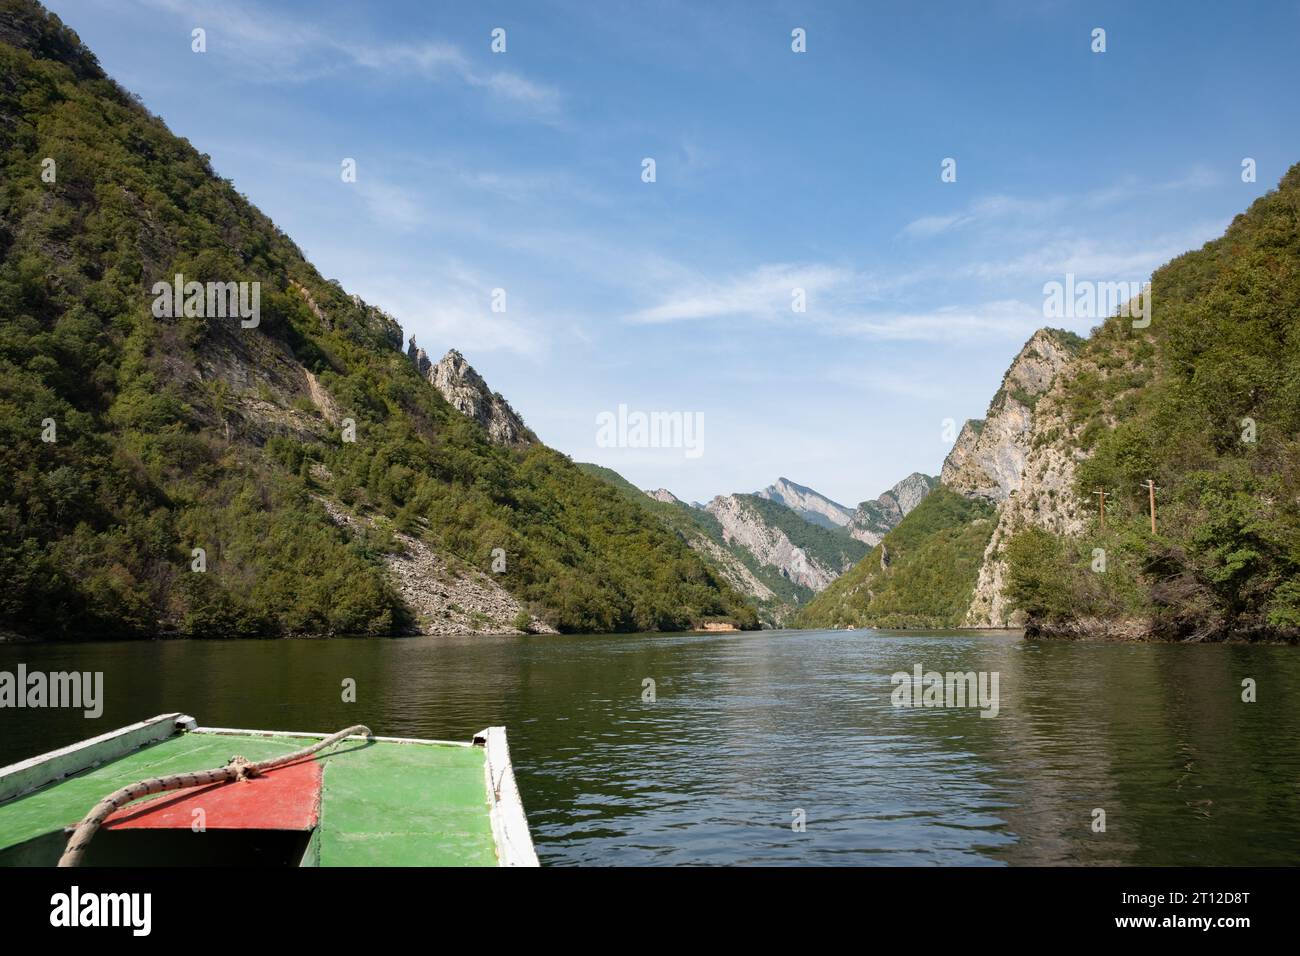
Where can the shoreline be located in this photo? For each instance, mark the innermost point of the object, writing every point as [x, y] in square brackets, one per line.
[1088, 630]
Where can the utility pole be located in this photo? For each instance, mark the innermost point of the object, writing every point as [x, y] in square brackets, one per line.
[1151, 491]
[1101, 497]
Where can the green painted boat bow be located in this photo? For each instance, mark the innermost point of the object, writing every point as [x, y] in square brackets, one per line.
[367, 801]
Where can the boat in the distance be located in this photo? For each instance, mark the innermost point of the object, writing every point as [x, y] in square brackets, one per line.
[166, 792]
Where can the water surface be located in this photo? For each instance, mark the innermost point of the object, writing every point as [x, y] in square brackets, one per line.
[748, 729]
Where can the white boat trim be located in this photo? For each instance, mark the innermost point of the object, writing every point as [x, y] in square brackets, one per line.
[237, 732]
[35, 772]
[509, 822]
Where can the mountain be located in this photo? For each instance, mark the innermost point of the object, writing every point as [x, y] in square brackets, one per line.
[872, 520]
[807, 504]
[919, 575]
[867, 523]
[246, 450]
[765, 550]
[1204, 401]
[1200, 397]
[808, 555]
[772, 594]
[924, 569]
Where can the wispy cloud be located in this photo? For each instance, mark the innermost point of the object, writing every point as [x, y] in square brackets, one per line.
[928, 226]
[839, 303]
[389, 204]
[1126, 257]
[991, 210]
[1007, 318]
[767, 291]
[286, 49]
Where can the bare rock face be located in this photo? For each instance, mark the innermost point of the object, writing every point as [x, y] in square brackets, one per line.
[743, 525]
[961, 451]
[909, 492]
[442, 601]
[664, 495]
[810, 505]
[1041, 494]
[419, 358]
[1046, 500]
[874, 519]
[731, 568]
[988, 459]
[465, 390]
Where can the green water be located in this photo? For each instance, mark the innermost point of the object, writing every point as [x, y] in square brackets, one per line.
[746, 730]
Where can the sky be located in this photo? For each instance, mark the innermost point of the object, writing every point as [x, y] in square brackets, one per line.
[774, 171]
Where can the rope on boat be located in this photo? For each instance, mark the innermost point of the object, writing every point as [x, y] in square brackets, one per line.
[237, 769]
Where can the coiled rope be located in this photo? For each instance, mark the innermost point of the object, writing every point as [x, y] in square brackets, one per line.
[237, 769]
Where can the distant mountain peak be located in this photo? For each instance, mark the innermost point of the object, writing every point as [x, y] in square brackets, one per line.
[874, 518]
[663, 494]
[467, 392]
[810, 505]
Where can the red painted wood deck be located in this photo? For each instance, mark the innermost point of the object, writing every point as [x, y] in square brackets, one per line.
[287, 798]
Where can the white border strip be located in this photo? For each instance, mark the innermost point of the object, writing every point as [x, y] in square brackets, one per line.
[509, 823]
[35, 772]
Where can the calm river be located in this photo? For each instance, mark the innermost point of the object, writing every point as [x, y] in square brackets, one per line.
[750, 733]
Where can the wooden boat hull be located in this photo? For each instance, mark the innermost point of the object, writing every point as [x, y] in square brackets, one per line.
[379, 801]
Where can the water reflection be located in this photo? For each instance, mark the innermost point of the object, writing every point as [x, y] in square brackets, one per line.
[747, 729]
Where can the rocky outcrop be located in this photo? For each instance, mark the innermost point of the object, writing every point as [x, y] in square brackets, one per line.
[419, 358]
[467, 392]
[874, 519]
[440, 600]
[1035, 467]
[961, 451]
[988, 459]
[744, 526]
[731, 568]
[664, 495]
[322, 399]
[808, 504]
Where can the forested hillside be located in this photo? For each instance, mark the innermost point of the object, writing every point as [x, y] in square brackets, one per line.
[129, 441]
[919, 575]
[1206, 403]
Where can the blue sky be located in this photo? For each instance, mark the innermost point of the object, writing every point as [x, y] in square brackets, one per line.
[775, 170]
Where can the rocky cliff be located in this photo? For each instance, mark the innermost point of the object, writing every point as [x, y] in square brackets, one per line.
[467, 392]
[938, 559]
[1045, 499]
[988, 459]
[1020, 457]
[745, 525]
